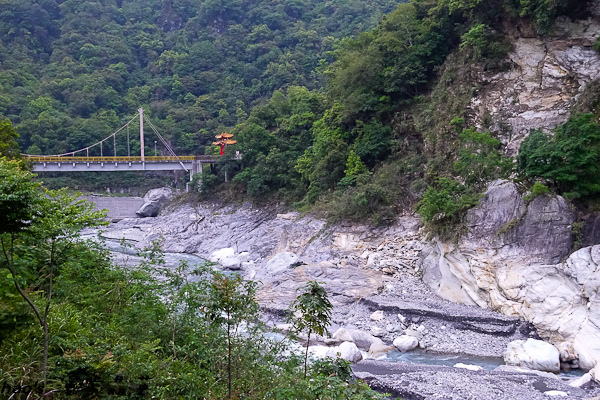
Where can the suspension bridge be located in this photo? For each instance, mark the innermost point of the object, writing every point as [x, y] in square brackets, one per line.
[80, 160]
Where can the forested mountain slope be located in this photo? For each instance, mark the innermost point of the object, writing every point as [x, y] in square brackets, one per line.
[71, 71]
[356, 124]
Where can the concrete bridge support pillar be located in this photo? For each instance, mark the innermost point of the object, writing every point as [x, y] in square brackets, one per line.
[196, 169]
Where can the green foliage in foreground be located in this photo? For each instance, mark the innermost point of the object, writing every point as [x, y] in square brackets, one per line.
[311, 311]
[569, 160]
[75, 326]
[155, 332]
[8, 140]
[536, 190]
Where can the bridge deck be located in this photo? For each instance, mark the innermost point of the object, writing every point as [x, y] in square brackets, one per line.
[192, 164]
[50, 159]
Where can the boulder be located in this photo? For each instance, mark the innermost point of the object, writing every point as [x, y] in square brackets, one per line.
[533, 354]
[377, 331]
[317, 351]
[219, 255]
[556, 393]
[595, 373]
[470, 367]
[347, 350]
[362, 339]
[414, 333]
[377, 315]
[280, 262]
[405, 343]
[567, 352]
[153, 201]
[231, 263]
[379, 349]
[343, 334]
[148, 210]
[160, 195]
[582, 380]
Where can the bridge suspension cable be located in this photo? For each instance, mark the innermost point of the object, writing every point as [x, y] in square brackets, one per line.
[164, 142]
[101, 142]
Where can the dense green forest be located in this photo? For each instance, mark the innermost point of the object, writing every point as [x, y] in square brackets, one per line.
[73, 71]
[353, 108]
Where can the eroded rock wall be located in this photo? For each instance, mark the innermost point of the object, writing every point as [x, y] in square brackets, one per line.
[515, 259]
[545, 78]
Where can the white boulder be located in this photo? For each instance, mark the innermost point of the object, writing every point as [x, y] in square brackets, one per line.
[567, 352]
[470, 367]
[221, 254]
[556, 393]
[347, 350]
[318, 351]
[405, 343]
[379, 349]
[582, 380]
[231, 263]
[362, 339]
[377, 315]
[377, 331]
[533, 354]
[595, 373]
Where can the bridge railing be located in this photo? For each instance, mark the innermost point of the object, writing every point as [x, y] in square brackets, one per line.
[41, 159]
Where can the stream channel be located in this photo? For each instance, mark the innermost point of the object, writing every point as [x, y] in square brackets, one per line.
[417, 356]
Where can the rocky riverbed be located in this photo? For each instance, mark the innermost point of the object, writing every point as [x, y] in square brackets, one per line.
[374, 279]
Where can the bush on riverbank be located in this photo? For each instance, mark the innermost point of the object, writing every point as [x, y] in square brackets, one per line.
[74, 325]
[152, 332]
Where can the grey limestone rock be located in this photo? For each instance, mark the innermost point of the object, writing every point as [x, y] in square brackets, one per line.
[150, 209]
[379, 349]
[154, 200]
[362, 339]
[347, 350]
[232, 264]
[512, 259]
[544, 80]
[405, 343]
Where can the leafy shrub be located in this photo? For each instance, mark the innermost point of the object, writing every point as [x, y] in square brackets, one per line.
[569, 159]
[544, 12]
[476, 38]
[445, 201]
[536, 190]
[205, 181]
[480, 160]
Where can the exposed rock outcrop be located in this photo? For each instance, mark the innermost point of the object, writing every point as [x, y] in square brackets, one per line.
[510, 260]
[545, 78]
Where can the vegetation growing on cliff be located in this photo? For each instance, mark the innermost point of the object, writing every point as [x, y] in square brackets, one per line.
[355, 124]
[569, 159]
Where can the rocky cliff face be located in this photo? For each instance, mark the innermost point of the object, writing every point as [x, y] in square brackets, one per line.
[514, 259]
[545, 78]
[516, 256]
